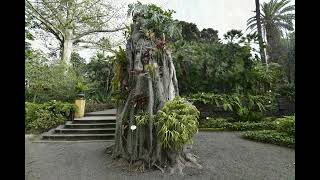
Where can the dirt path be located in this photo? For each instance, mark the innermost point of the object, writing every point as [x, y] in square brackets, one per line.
[224, 156]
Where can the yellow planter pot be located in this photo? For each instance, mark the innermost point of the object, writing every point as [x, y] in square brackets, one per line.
[80, 103]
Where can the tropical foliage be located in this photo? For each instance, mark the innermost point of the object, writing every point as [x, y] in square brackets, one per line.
[176, 123]
[243, 107]
[276, 18]
[156, 20]
[224, 67]
[42, 117]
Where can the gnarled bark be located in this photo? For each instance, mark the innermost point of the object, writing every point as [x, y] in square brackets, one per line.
[149, 80]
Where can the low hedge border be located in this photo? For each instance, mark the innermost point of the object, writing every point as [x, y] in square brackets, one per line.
[223, 124]
[212, 129]
[271, 136]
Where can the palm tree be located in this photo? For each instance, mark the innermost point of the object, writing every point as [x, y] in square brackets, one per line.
[259, 28]
[276, 18]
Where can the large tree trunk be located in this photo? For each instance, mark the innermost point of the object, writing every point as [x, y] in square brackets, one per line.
[149, 80]
[273, 41]
[67, 46]
[260, 39]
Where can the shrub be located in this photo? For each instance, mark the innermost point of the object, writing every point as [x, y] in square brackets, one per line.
[93, 106]
[286, 90]
[238, 126]
[30, 113]
[49, 80]
[248, 126]
[42, 117]
[286, 125]
[271, 136]
[46, 120]
[58, 107]
[217, 123]
[243, 107]
[251, 116]
[176, 123]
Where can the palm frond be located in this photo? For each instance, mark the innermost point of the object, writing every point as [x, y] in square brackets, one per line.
[287, 9]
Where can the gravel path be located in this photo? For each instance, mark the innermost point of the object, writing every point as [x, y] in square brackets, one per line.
[224, 156]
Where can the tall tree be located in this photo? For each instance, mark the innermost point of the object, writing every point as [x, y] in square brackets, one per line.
[190, 31]
[259, 28]
[277, 17]
[209, 35]
[71, 21]
[146, 78]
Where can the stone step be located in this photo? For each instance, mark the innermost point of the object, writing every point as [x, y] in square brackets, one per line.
[85, 131]
[71, 125]
[75, 137]
[95, 119]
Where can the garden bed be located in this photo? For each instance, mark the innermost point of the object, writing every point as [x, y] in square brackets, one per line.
[279, 131]
[230, 125]
[271, 136]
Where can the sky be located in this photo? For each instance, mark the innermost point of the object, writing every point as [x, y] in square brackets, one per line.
[221, 15]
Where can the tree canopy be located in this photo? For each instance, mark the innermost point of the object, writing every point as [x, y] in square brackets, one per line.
[71, 21]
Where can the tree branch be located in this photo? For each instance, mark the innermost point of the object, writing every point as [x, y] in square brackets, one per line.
[53, 10]
[81, 12]
[50, 26]
[97, 31]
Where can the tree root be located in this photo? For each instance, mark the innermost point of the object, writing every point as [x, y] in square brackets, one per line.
[183, 160]
[109, 149]
[178, 162]
[161, 169]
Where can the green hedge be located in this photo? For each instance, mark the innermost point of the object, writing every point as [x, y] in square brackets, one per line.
[271, 136]
[283, 134]
[238, 126]
[42, 117]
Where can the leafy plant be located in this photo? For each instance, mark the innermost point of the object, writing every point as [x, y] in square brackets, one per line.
[244, 107]
[59, 107]
[286, 90]
[99, 75]
[48, 80]
[46, 120]
[30, 113]
[249, 116]
[286, 125]
[92, 106]
[176, 123]
[120, 64]
[42, 117]
[156, 20]
[81, 88]
[142, 119]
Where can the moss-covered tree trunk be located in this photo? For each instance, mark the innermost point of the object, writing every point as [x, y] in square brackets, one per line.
[148, 80]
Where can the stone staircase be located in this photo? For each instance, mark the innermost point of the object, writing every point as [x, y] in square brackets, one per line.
[98, 125]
